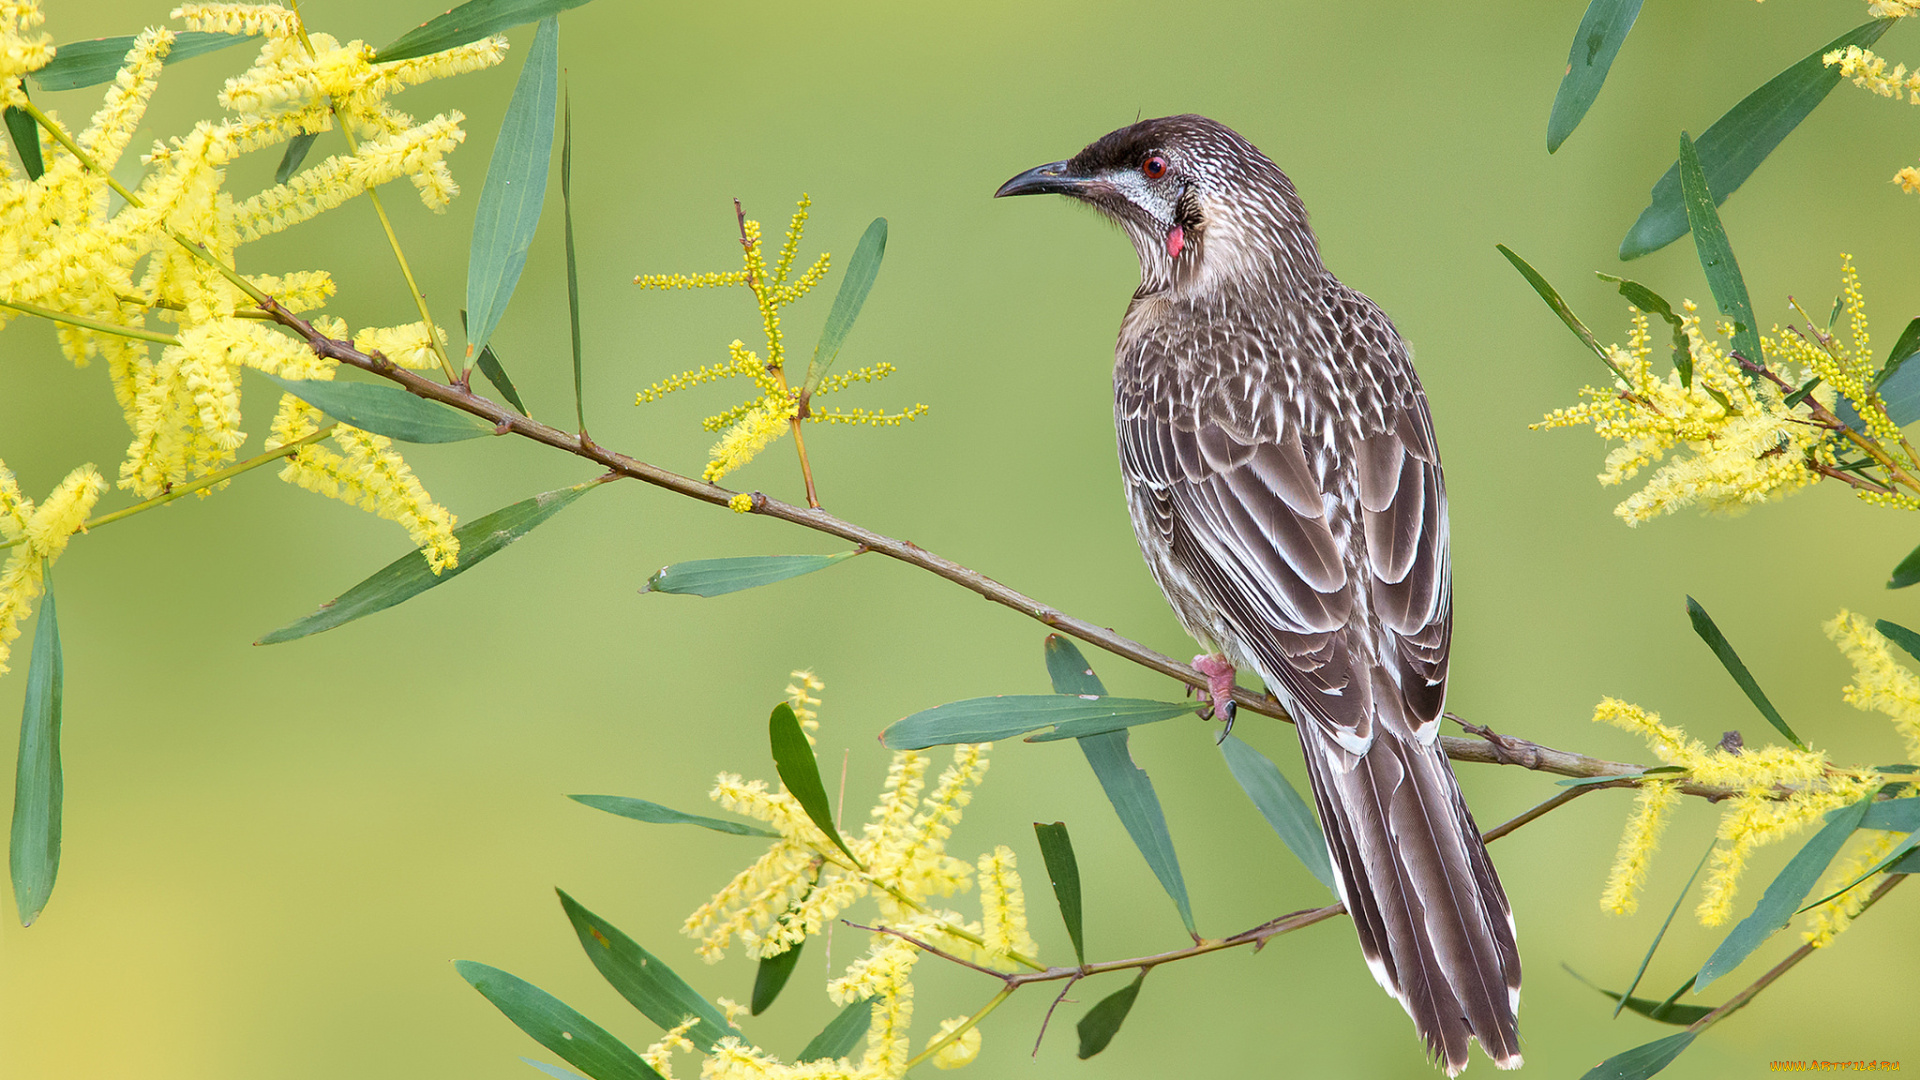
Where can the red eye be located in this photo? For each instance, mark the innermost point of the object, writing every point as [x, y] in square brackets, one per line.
[1154, 167]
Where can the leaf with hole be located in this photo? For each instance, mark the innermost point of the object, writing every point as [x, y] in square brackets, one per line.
[647, 983]
[80, 64]
[1735, 145]
[1281, 805]
[1063, 870]
[718, 577]
[555, 1025]
[1103, 1021]
[509, 208]
[837, 1039]
[1723, 651]
[386, 410]
[38, 783]
[469, 22]
[800, 771]
[1050, 716]
[409, 575]
[642, 810]
[862, 269]
[1602, 31]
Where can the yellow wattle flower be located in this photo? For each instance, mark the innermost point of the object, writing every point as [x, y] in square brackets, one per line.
[43, 532]
[961, 1051]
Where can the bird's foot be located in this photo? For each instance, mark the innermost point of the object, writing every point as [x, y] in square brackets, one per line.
[1220, 685]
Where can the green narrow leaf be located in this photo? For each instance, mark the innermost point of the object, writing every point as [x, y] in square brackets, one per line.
[1906, 864]
[1069, 670]
[772, 977]
[1103, 1021]
[295, 156]
[469, 22]
[1899, 852]
[38, 786]
[1665, 1012]
[718, 577]
[647, 983]
[793, 758]
[1131, 793]
[1641, 1061]
[1602, 30]
[1709, 633]
[1907, 572]
[1739, 141]
[1552, 297]
[489, 365]
[642, 810]
[1063, 870]
[1890, 815]
[573, 276]
[89, 63]
[1050, 716]
[553, 1024]
[1888, 382]
[1901, 636]
[25, 133]
[386, 410]
[837, 1039]
[1783, 894]
[854, 286]
[509, 207]
[1661, 935]
[1716, 253]
[1654, 304]
[1282, 806]
[408, 576]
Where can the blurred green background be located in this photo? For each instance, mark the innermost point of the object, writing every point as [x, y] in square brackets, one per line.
[272, 854]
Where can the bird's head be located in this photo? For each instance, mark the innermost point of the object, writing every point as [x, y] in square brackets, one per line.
[1201, 204]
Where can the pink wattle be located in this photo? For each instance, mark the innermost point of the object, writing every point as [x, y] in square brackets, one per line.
[1176, 239]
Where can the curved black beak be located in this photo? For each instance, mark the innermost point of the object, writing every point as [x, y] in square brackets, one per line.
[1057, 178]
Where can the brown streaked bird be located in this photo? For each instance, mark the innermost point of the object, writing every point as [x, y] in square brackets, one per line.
[1284, 483]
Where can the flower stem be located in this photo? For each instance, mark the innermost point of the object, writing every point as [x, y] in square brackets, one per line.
[91, 324]
[944, 1041]
[201, 484]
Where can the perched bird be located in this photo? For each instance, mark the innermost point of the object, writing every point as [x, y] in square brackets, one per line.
[1284, 483]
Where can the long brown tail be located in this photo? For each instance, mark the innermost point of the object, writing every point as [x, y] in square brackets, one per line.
[1433, 921]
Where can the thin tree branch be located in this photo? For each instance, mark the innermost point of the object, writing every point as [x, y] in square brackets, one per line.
[1490, 748]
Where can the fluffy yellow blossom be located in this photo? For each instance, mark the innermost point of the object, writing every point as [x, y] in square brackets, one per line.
[741, 503]
[659, 1055]
[1781, 791]
[254, 19]
[800, 695]
[1880, 682]
[884, 974]
[1893, 9]
[753, 425]
[20, 51]
[37, 535]
[1637, 845]
[1743, 444]
[959, 1052]
[1869, 72]
[1003, 907]
[406, 345]
[68, 245]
